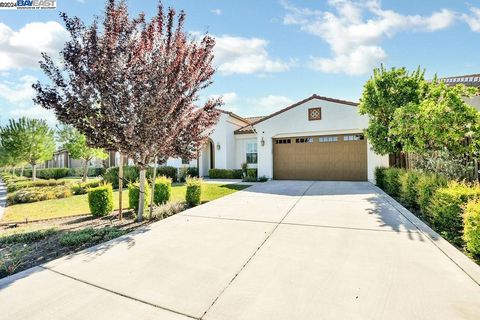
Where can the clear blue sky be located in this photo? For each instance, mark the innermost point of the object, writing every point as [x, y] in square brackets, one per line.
[270, 53]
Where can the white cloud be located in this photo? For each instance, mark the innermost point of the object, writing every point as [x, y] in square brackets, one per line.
[22, 48]
[247, 107]
[216, 11]
[354, 31]
[20, 91]
[269, 104]
[237, 55]
[473, 19]
[228, 97]
[36, 112]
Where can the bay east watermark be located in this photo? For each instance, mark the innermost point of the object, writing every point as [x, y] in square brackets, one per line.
[27, 4]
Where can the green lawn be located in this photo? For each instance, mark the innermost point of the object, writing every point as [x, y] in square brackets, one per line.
[77, 205]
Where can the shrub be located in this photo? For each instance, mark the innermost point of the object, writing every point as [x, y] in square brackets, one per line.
[392, 181]
[167, 171]
[427, 184]
[163, 190]
[100, 200]
[52, 173]
[408, 188]
[36, 194]
[194, 191]
[27, 237]
[89, 236]
[471, 230]
[92, 172]
[11, 187]
[252, 173]
[82, 187]
[380, 177]
[166, 210]
[131, 174]
[225, 174]
[262, 179]
[192, 172]
[249, 179]
[182, 173]
[134, 194]
[445, 210]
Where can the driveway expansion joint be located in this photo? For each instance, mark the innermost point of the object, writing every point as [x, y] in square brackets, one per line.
[258, 249]
[118, 293]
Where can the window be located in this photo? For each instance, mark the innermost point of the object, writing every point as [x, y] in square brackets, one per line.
[304, 140]
[328, 139]
[353, 137]
[251, 152]
[283, 141]
[185, 161]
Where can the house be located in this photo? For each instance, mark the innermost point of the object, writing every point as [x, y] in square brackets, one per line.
[469, 80]
[62, 159]
[318, 138]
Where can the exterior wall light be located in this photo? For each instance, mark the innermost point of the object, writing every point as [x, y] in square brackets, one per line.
[262, 142]
[218, 146]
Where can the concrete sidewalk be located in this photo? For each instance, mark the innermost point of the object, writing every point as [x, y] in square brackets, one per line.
[277, 250]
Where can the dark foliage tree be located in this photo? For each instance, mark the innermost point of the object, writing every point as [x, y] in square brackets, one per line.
[130, 85]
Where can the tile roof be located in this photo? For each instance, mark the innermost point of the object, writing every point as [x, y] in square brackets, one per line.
[471, 80]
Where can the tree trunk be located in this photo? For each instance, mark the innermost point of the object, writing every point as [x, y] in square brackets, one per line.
[120, 187]
[34, 172]
[153, 187]
[141, 196]
[85, 171]
[21, 173]
[13, 171]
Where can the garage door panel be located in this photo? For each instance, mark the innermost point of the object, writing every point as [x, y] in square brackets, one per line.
[328, 159]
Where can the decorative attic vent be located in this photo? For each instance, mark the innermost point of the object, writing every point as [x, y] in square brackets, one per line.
[314, 114]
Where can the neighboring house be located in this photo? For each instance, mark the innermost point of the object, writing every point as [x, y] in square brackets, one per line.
[469, 80]
[61, 159]
[318, 138]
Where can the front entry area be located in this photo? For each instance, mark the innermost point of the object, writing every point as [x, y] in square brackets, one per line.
[341, 157]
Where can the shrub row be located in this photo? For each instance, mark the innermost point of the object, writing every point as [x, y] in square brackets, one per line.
[131, 174]
[35, 194]
[22, 184]
[225, 173]
[57, 173]
[451, 208]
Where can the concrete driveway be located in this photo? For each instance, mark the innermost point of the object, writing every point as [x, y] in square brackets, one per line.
[278, 250]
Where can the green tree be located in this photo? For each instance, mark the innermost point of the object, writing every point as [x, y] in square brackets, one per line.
[29, 140]
[383, 94]
[76, 145]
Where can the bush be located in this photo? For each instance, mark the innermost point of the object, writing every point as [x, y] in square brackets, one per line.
[471, 230]
[249, 179]
[380, 177]
[427, 184]
[92, 172]
[89, 236]
[392, 181]
[82, 187]
[192, 172]
[408, 188]
[134, 194]
[131, 174]
[22, 184]
[166, 210]
[27, 237]
[100, 200]
[194, 191]
[36, 194]
[262, 179]
[52, 173]
[163, 190]
[252, 173]
[182, 173]
[445, 210]
[225, 174]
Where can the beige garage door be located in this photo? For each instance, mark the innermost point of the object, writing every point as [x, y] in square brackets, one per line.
[334, 157]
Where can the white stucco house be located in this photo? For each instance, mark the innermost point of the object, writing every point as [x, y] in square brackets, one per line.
[318, 138]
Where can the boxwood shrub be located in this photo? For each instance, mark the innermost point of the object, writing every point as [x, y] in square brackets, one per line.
[131, 174]
[380, 177]
[194, 191]
[445, 209]
[134, 194]
[52, 173]
[408, 188]
[22, 184]
[427, 184]
[100, 200]
[92, 172]
[471, 230]
[82, 187]
[36, 194]
[163, 190]
[392, 181]
[225, 174]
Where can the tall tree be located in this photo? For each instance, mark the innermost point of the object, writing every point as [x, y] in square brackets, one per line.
[76, 145]
[131, 86]
[383, 94]
[29, 140]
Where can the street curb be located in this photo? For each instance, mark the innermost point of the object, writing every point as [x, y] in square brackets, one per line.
[457, 257]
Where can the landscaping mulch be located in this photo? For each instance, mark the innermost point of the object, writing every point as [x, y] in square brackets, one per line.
[26, 246]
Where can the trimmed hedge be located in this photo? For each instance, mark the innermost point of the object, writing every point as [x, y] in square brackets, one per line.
[225, 174]
[162, 191]
[380, 177]
[194, 191]
[22, 184]
[92, 172]
[427, 184]
[134, 194]
[391, 181]
[471, 230]
[446, 209]
[100, 200]
[52, 173]
[83, 187]
[408, 188]
[131, 174]
[36, 194]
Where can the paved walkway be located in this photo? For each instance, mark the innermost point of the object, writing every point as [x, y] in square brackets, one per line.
[277, 250]
[3, 198]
